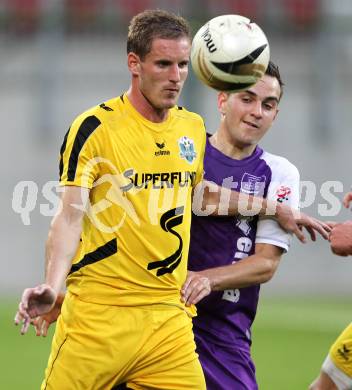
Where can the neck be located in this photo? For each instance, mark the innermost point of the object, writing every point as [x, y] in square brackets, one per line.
[141, 103]
[229, 147]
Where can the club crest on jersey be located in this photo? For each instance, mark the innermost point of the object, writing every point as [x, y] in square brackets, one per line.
[282, 193]
[252, 185]
[187, 150]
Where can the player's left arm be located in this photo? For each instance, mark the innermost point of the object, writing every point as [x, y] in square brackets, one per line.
[256, 269]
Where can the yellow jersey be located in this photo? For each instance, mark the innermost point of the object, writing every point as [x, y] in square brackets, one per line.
[136, 231]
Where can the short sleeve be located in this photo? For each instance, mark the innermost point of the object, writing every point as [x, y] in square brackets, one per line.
[283, 188]
[79, 153]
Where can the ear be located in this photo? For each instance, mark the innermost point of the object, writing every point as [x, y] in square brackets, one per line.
[133, 63]
[222, 100]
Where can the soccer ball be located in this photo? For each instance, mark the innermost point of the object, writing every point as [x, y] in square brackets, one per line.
[229, 53]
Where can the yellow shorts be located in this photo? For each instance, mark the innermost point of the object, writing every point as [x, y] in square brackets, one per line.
[341, 351]
[96, 347]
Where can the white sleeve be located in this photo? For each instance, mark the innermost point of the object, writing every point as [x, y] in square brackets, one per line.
[284, 188]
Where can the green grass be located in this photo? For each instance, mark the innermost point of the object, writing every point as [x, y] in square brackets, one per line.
[22, 358]
[291, 338]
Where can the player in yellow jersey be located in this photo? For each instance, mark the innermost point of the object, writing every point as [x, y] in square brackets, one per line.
[128, 167]
[336, 372]
[121, 236]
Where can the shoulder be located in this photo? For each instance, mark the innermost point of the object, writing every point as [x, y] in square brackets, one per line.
[182, 113]
[96, 117]
[280, 166]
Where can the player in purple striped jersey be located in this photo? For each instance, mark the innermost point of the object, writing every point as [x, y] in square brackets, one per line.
[231, 256]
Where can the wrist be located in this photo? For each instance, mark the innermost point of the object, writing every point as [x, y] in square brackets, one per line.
[54, 289]
[212, 279]
[60, 298]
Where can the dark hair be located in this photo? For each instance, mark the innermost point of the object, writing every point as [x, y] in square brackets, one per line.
[151, 24]
[273, 71]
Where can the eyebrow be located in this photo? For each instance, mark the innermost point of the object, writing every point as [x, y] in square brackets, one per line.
[266, 99]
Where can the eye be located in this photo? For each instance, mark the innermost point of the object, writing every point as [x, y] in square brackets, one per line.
[269, 106]
[246, 99]
[163, 63]
[183, 64]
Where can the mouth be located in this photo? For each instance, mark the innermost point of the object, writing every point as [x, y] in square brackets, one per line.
[173, 90]
[251, 124]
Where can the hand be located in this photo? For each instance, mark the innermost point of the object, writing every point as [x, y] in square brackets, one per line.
[347, 199]
[35, 302]
[42, 323]
[341, 239]
[293, 221]
[331, 224]
[196, 287]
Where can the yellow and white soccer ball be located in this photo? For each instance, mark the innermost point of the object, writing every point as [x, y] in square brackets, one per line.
[230, 53]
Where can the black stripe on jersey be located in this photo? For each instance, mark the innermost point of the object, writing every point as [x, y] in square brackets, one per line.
[62, 151]
[168, 221]
[101, 253]
[85, 130]
[121, 97]
[180, 107]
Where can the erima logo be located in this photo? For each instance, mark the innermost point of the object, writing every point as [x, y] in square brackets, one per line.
[160, 146]
[161, 152]
[208, 40]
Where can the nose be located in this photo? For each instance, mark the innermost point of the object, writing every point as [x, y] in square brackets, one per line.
[174, 75]
[257, 110]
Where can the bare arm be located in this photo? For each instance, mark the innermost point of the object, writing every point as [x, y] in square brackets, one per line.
[256, 269]
[211, 199]
[64, 236]
[61, 246]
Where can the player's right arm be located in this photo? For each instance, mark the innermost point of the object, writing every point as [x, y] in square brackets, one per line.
[256, 269]
[62, 243]
[211, 199]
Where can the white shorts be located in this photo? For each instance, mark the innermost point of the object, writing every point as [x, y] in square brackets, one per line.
[341, 380]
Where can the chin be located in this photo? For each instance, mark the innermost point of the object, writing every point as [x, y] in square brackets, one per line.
[168, 104]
